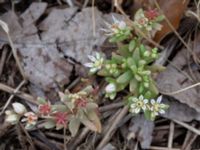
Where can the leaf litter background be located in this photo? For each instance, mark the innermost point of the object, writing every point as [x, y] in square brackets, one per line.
[53, 42]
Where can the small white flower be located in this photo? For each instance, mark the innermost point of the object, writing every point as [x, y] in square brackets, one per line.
[30, 119]
[138, 104]
[115, 27]
[110, 88]
[157, 107]
[19, 108]
[96, 62]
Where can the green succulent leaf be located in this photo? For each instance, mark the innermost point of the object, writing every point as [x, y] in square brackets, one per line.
[49, 124]
[133, 86]
[125, 77]
[132, 45]
[91, 106]
[74, 125]
[59, 107]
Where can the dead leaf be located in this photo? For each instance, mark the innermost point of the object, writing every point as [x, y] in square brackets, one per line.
[43, 65]
[179, 111]
[33, 13]
[75, 35]
[172, 79]
[142, 129]
[173, 11]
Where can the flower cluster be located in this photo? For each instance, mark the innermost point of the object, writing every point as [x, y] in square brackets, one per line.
[151, 108]
[19, 111]
[148, 21]
[131, 66]
[96, 62]
[74, 109]
[118, 30]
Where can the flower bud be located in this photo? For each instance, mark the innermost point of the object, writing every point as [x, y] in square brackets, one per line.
[12, 118]
[110, 88]
[19, 108]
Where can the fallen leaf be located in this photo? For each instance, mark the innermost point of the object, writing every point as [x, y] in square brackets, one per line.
[181, 73]
[179, 111]
[75, 35]
[173, 11]
[142, 129]
[43, 64]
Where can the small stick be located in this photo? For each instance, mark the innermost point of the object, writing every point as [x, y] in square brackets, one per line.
[56, 135]
[22, 95]
[162, 148]
[2, 61]
[28, 136]
[79, 138]
[70, 3]
[107, 137]
[12, 96]
[191, 128]
[187, 139]
[85, 3]
[93, 19]
[188, 147]
[181, 90]
[111, 106]
[65, 139]
[16, 56]
[171, 135]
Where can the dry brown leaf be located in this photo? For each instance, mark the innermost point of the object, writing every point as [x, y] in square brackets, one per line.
[180, 111]
[75, 35]
[43, 65]
[181, 73]
[142, 129]
[173, 10]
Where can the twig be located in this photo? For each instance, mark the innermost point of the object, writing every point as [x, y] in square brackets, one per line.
[28, 137]
[188, 146]
[15, 56]
[65, 139]
[79, 138]
[188, 137]
[181, 90]
[3, 58]
[70, 3]
[111, 106]
[162, 148]
[119, 8]
[22, 95]
[112, 128]
[85, 3]
[191, 128]
[171, 135]
[56, 135]
[12, 96]
[93, 19]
